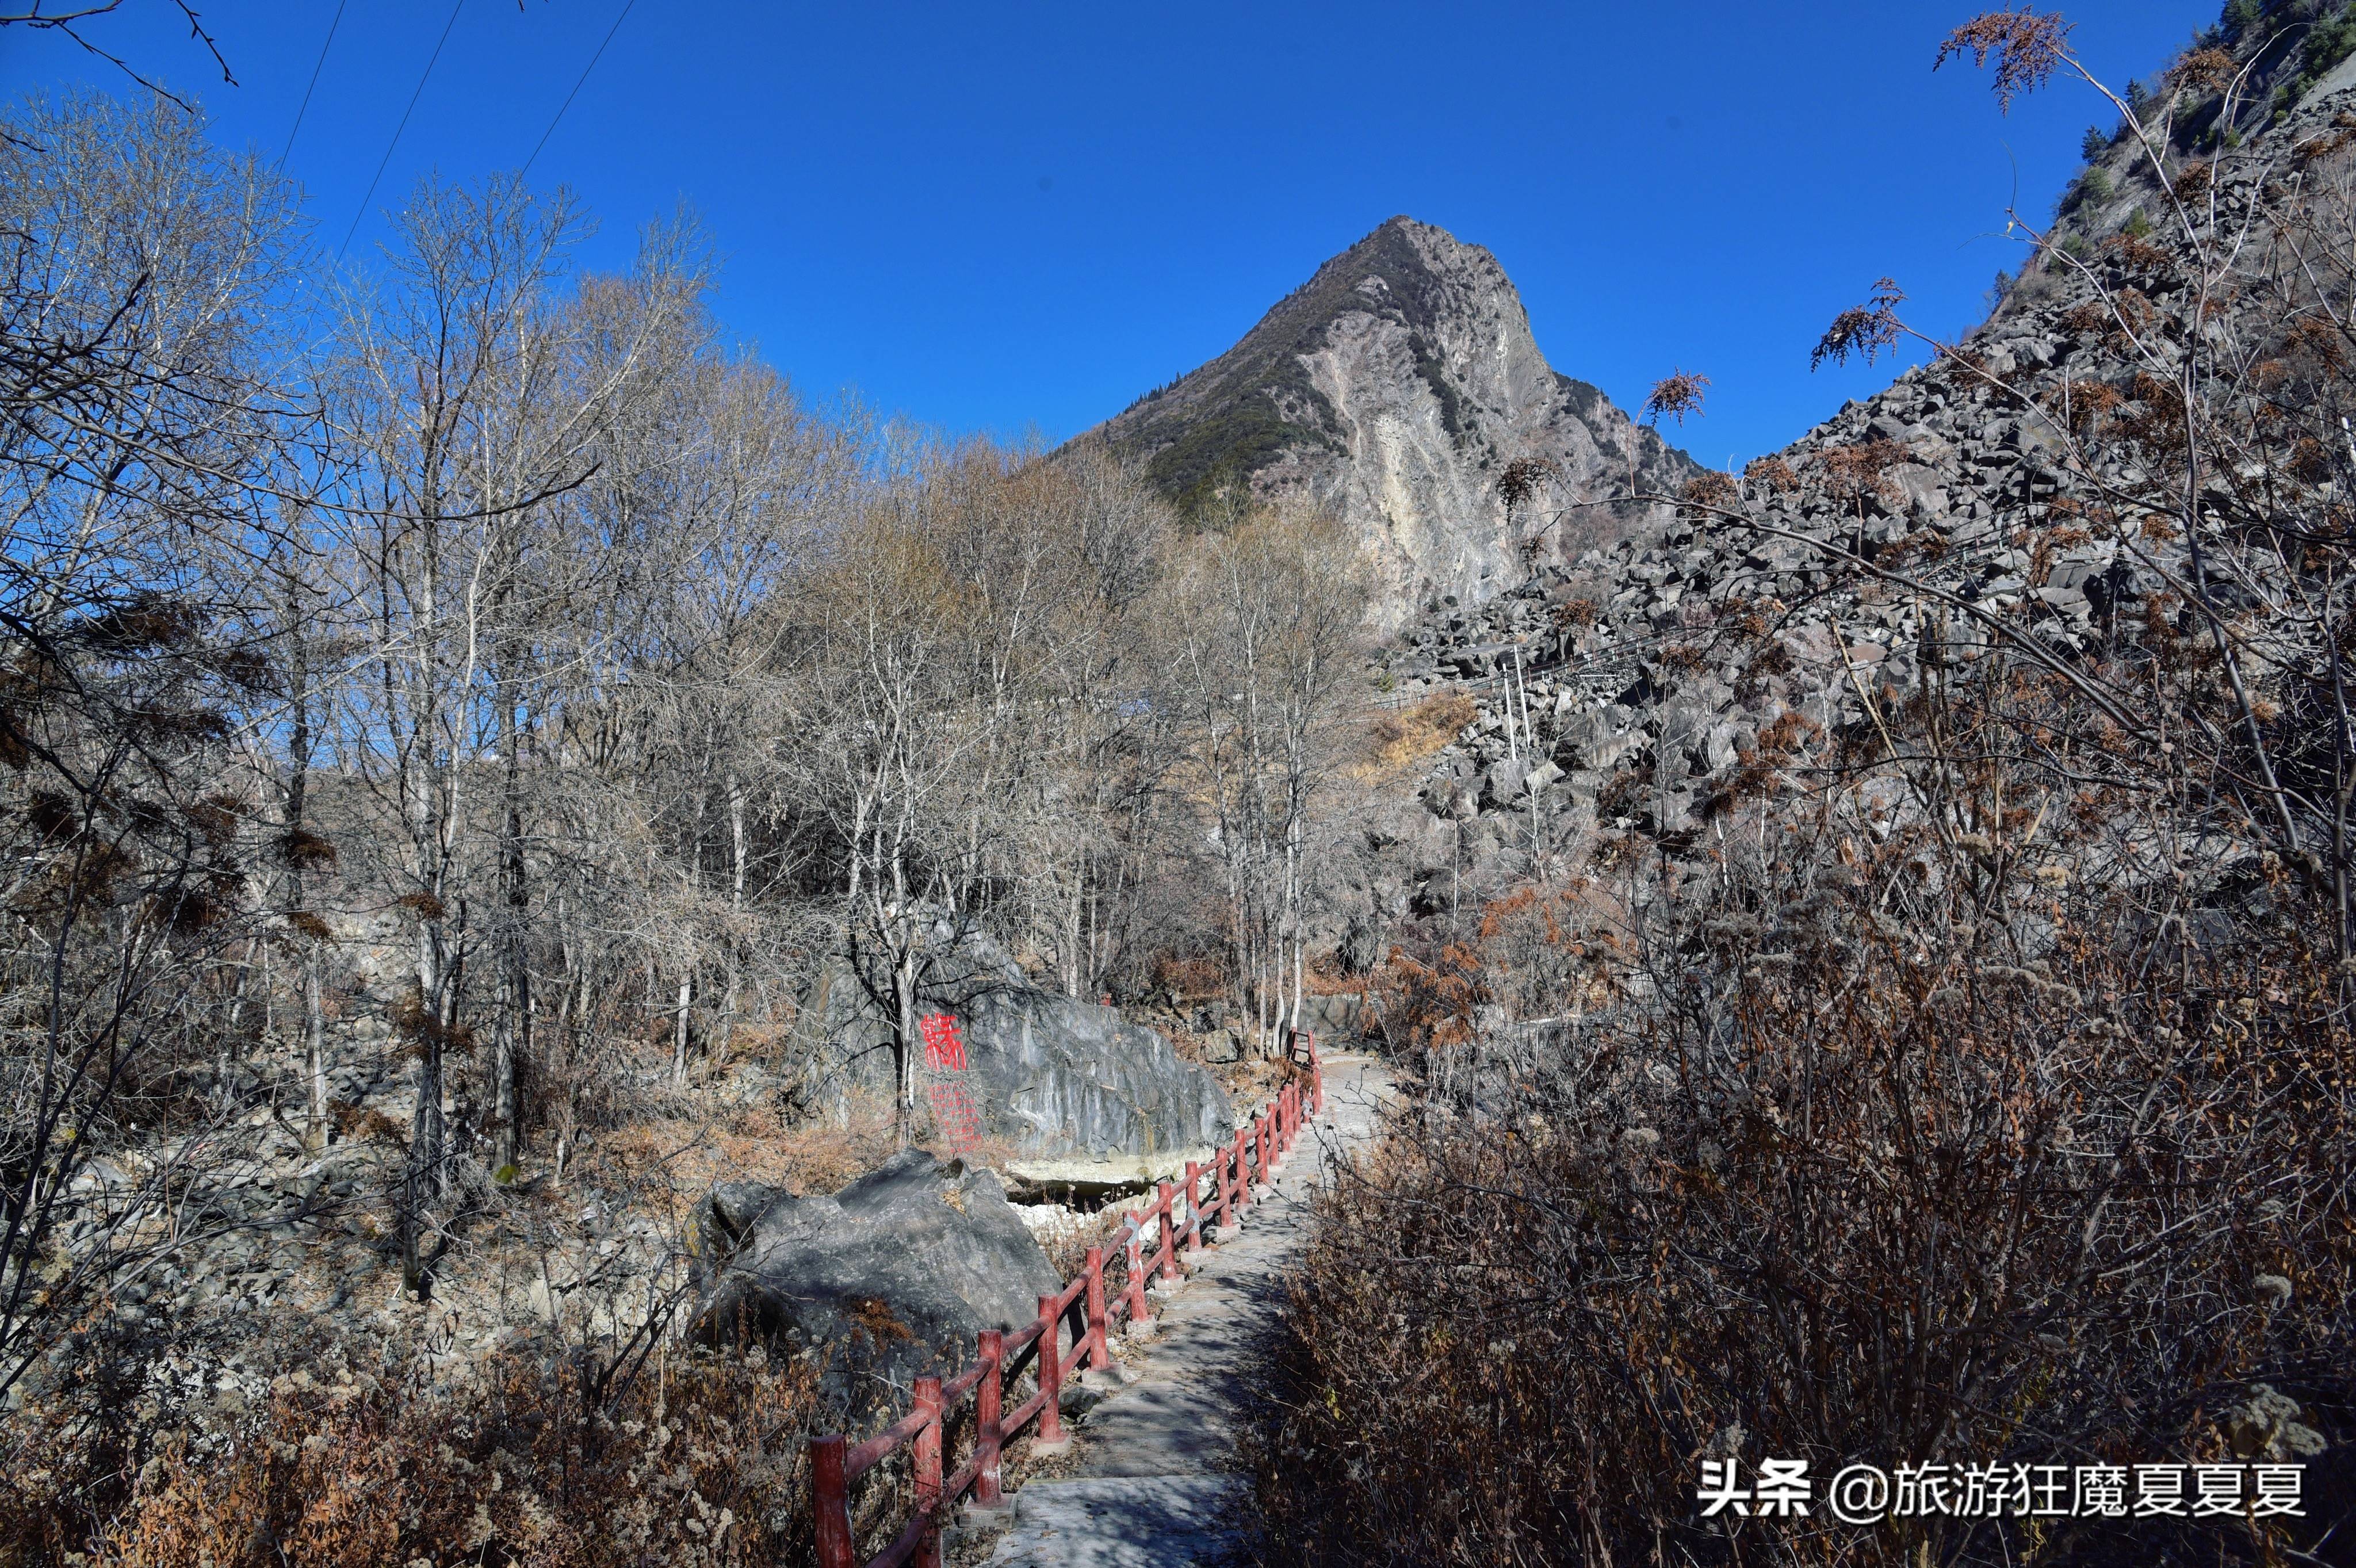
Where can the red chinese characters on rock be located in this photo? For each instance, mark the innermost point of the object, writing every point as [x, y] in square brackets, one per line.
[944, 1052]
[953, 1109]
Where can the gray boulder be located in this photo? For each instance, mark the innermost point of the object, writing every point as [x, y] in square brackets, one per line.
[1057, 1077]
[1052, 1077]
[891, 1277]
[1502, 785]
[1599, 741]
[1333, 1019]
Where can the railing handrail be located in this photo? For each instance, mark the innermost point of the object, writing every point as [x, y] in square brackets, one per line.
[835, 1463]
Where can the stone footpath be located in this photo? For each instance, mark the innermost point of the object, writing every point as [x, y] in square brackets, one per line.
[1155, 1484]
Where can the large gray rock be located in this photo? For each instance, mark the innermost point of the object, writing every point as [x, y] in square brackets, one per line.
[1052, 1077]
[1056, 1076]
[890, 1277]
[1333, 1019]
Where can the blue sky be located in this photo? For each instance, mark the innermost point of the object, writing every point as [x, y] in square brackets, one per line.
[1021, 216]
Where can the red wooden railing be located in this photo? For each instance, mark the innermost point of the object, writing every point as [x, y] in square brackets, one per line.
[1000, 1356]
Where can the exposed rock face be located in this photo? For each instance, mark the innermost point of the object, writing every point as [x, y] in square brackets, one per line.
[1395, 387]
[1059, 1077]
[890, 1277]
[1055, 1078]
[1622, 690]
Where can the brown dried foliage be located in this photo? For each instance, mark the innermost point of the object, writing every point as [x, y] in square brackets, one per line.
[1413, 733]
[1866, 329]
[2028, 49]
[1523, 479]
[1705, 494]
[1674, 395]
[1572, 614]
[1887, 1193]
[2211, 68]
[697, 1463]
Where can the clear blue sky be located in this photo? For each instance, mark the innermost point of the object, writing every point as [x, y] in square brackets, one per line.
[1021, 216]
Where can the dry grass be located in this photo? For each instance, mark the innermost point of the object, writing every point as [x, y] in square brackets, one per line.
[1396, 742]
[683, 1159]
[699, 1461]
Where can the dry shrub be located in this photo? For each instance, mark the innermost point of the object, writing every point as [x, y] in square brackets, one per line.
[698, 1462]
[1199, 974]
[1573, 615]
[824, 1156]
[1397, 739]
[1431, 1002]
[1674, 395]
[1838, 1186]
[1706, 495]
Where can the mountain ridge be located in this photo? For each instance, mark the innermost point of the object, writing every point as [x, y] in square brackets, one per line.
[1393, 387]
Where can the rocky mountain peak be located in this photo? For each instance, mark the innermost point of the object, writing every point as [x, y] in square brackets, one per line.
[1393, 387]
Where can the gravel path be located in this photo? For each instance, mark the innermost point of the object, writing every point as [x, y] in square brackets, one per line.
[1154, 1482]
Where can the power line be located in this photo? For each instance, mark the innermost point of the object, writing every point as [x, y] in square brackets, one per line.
[315, 80]
[397, 129]
[576, 87]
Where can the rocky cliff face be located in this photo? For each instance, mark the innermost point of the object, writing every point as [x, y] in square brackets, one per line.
[1627, 690]
[1395, 387]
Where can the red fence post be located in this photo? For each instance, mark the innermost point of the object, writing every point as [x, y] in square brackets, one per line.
[1140, 1312]
[1051, 1374]
[1100, 1327]
[1269, 1137]
[989, 1408]
[1168, 1252]
[1193, 1206]
[926, 1453]
[830, 1502]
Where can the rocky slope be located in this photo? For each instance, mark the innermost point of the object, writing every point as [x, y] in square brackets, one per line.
[1395, 387]
[1622, 691]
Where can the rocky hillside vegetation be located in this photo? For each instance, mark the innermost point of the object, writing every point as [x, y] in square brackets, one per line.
[1394, 390]
[474, 788]
[531, 848]
[1880, 954]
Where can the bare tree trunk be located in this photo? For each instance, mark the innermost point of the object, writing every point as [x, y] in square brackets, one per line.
[511, 1033]
[728, 1005]
[296, 850]
[316, 1113]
